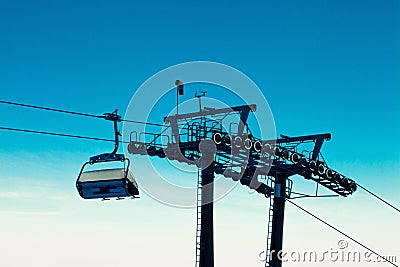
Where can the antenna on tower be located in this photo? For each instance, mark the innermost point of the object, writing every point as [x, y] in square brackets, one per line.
[199, 96]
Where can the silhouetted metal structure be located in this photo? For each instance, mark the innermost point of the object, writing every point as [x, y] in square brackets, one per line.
[199, 138]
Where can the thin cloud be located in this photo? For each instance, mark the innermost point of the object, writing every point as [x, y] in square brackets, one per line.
[30, 213]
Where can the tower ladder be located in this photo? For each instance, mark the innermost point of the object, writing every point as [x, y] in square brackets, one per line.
[269, 231]
[198, 219]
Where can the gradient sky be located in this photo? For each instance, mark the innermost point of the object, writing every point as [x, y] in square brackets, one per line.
[324, 66]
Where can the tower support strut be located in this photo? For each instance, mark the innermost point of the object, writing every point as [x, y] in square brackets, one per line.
[277, 221]
[207, 217]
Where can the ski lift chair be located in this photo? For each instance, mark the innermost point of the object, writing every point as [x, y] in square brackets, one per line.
[108, 183]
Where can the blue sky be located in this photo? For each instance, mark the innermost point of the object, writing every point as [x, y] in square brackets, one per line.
[324, 66]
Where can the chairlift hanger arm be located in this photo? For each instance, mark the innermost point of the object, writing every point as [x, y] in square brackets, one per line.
[115, 118]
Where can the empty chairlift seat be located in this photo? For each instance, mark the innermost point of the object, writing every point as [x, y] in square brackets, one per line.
[106, 183]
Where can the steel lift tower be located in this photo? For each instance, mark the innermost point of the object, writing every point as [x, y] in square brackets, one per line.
[266, 166]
